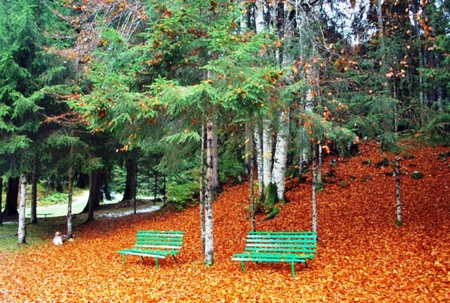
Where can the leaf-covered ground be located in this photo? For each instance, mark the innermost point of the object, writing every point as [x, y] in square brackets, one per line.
[362, 255]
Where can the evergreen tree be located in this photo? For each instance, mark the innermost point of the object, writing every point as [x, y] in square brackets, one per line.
[31, 72]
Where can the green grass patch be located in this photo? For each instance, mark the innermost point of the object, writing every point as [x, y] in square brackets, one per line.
[37, 234]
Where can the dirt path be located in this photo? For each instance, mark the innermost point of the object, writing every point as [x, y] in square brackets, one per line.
[111, 208]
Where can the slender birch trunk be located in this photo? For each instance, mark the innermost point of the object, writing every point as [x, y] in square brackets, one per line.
[313, 190]
[259, 16]
[209, 247]
[69, 232]
[398, 197]
[397, 190]
[202, 187]
[380, 22]
[280, 158]
[259, 159]
[415, 9]
[319, 168]
[267, 154]
[249, 155]
[248, 147]
[259, 24]
[21, 233]
[303, 141]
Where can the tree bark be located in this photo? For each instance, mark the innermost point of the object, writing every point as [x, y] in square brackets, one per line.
[21, 233]
[69, 232]
[215, 181]
[313, 189]
[94, 194]
[248, 147]
[130, 184]
[12, 195]
[34, 182]
[267, 155]
[252, 194]
[397, 190]
[280, 158]
[202, 188]
[380, 22]
[209, 247]
[259, 158]
[319, 167]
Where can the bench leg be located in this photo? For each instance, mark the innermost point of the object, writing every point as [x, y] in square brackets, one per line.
[123, 260]
[175, 258]
[243, 266]
[156, 262]
[293, 270]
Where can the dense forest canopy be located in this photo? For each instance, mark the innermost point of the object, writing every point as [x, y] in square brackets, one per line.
[271, 85]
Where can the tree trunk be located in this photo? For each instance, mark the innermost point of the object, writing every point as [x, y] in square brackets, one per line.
[202, 188]
[319, 168]
[209, 247]
[262, 166]
[397, 190]
[215, 181]
[94, 194]
[69, 232]
[248, 148]
[34, 182]
[12, 195]
[130, 184]
[313, 190]
[380, 22]
[280, 158]
[259, 16]
[267, 155]
[303, 142]
[90, 204]
[252, 194]
[21, 233]
[415, 5]
[259, 159]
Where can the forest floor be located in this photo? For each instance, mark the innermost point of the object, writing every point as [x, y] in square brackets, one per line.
[362, 254]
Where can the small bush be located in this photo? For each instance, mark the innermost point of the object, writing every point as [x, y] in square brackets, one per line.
[54, 199]
[320, 187]
[417, 175]
[182, 195]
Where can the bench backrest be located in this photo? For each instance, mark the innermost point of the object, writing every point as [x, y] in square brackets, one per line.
[303, 242]
[159, 239]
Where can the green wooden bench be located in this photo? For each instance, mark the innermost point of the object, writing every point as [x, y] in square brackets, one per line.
[291, 247]
[156, 244]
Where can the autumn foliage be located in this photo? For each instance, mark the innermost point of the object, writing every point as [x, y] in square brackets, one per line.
[362, 254]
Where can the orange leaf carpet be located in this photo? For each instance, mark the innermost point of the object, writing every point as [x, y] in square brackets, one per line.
[362, 254]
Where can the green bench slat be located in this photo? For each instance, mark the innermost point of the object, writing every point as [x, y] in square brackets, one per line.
[271, 257]
[138, 252]
[292, 247]
[155, 243]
